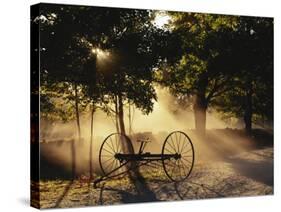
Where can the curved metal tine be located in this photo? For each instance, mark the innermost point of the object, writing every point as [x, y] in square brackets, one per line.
[129, 169]
[107, 175]
[139, 164]
[150, 164]
[146, 163]
[125, 171]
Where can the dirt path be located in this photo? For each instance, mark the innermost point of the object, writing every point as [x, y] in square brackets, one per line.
[247, 174]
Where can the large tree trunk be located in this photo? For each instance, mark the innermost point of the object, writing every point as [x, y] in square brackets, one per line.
[134, 175]
[121, 115]
[91, 144]
[248, 108]
[200, 105]
[200, 108]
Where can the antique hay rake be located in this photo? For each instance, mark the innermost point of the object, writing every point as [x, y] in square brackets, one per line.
[116, 156]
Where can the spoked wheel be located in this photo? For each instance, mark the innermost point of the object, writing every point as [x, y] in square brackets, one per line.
[114, 144]
[179, 167]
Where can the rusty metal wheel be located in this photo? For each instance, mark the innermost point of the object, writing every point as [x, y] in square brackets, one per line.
[178, 168]
[112, 145]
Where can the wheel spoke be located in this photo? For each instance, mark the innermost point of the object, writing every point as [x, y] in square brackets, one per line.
[177, 169]
[108, 151]
[173, 143]
[171, 146]
[177, 142]
[108, 160]
[109, 146]
[187, 151]
[184, 165]
[188, 156]
[118, 144]
[107, 156]
[169, 151]
[183, 169]
[187, 160]
[110, 165]
[182, 148]
[112, 145]
[116, 163]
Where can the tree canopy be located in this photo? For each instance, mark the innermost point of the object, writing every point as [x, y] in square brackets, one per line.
[206, 60]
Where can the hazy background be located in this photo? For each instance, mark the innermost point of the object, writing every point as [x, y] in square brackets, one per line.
[56, 138]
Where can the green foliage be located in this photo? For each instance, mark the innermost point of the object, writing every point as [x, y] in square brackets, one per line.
[68, 36]
[57, 101]
[216, 57]
[194, 70]
[226, 61]
[252, 48]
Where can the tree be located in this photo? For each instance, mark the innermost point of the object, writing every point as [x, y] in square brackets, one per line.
[127, 36]
[252, 93]
[67, 65]
[194, 77]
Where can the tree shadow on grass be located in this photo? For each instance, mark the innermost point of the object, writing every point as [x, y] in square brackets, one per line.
[234, 185]
[66, 190]
[247, 159]
[261, 171]
[126, 196]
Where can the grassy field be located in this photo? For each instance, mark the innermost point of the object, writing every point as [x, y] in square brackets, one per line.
[246, 174]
